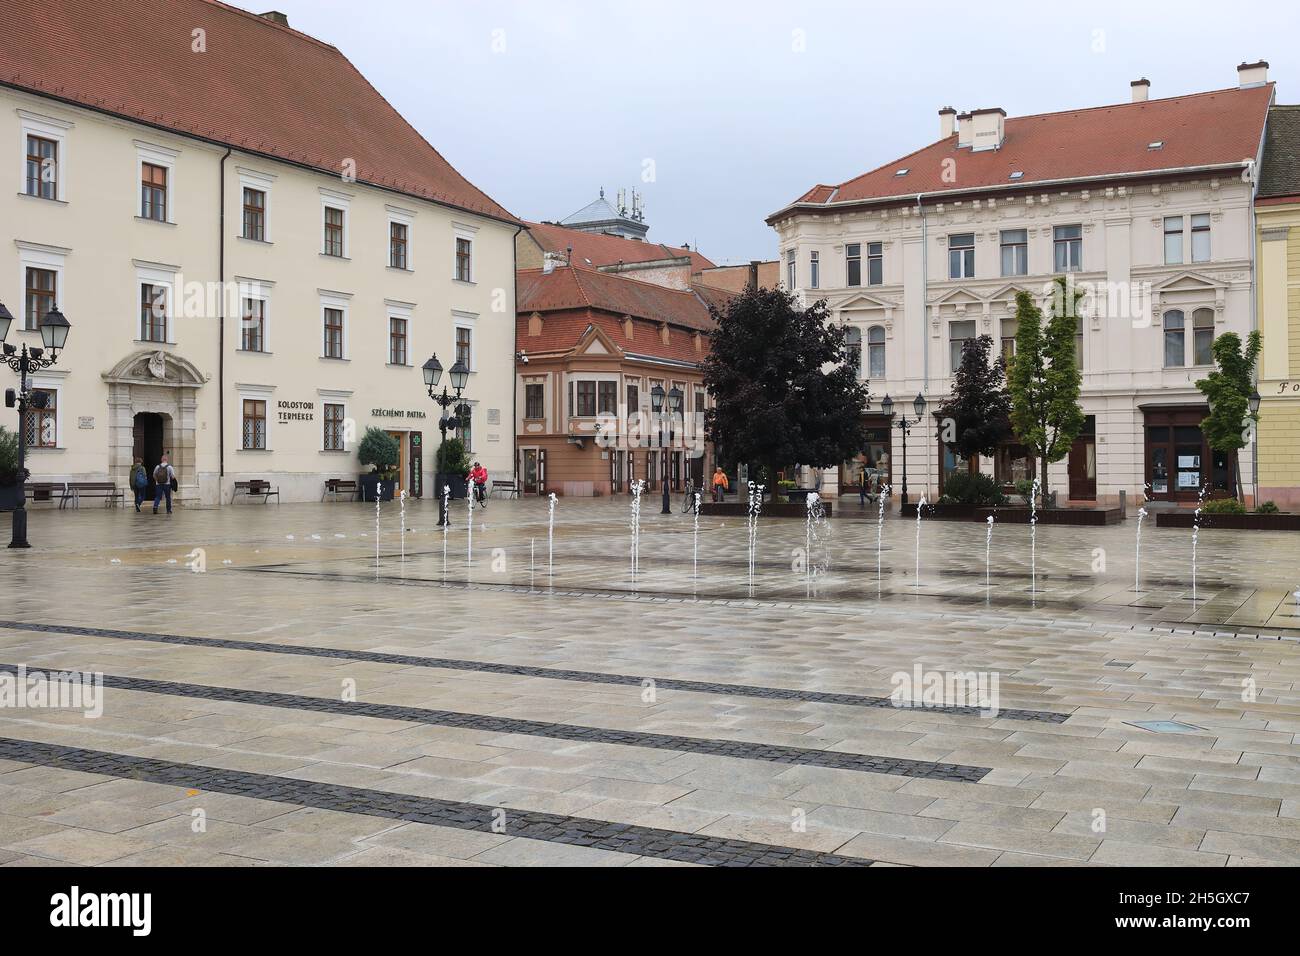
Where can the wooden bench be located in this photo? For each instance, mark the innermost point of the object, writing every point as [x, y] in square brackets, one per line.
[44, 491]
[111, 493]
[338, 486]
[255, 488]
[506, 488]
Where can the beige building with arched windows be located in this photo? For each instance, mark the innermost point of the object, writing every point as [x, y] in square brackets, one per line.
[255, 250]
[1147, 205]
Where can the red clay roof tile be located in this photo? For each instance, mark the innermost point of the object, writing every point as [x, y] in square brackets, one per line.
[259, 87]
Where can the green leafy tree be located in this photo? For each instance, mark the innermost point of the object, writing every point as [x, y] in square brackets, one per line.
[1230, 424]
[977, 416]
[380, 449]
[452, 457]
[785, 385]
[1044, 379]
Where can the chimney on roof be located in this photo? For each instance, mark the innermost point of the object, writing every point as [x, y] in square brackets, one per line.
[275, 16]
[989, 128]
[752, 281]
[1141, 90]
[1252, 74]
[947, 122]
[964, 128]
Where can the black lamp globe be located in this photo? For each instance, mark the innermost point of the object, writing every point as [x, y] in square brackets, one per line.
[459, 375]
[6, 319]
[54, 329]
[1254, 401]
[657, 399]
[887, 406]
[432, 371]
[675, 400]
[919, 405]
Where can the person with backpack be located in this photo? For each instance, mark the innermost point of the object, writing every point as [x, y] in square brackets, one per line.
[139, 481]
[164, 480]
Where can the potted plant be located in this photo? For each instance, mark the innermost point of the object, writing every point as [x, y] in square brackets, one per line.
[379, 450]
[452, 467]
[11, 479]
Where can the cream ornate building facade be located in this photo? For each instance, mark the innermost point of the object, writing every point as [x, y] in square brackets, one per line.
[254, 270]
[1146, 205]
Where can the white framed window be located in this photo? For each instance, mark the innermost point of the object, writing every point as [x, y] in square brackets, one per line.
[401, 326]
[1173, 240]
[336, 426]
[1201, 238]
[814, 270]
[155, 182]
[959, 333]
[44, 152]
[1203, 337]
[43, 427]
[255, 204]
[462, 267]
[254, 315]
[40, 276]
[155, 284]
[853, 346]
[1015, 252]
[334, 308]
[255, 416]
[1175, 339]
[335, 239]
[876, 352]
[875, 263]
[853, 264]
[464, 350]
[401, 233]
[1067, 244]
[791, 269]
[961, 256]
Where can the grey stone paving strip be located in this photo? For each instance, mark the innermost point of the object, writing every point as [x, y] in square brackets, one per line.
[521, 670]
[552, 828]
[739, 749]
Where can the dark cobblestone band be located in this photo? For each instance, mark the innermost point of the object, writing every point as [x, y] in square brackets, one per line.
[739, 749]
[521, 670]
[553, 828]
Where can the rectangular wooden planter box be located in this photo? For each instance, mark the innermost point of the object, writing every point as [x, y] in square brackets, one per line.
[1246, 522]
[740, 509]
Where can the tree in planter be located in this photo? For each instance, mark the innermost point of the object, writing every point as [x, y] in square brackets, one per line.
[8, 457]
[1231, 423]
[785, 385]
[452, 458]
[977, 417]
[380, 450]
[1044, 378]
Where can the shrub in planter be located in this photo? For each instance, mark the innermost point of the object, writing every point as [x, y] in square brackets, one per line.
[11, 479]
[1025, 489]
[971, 489]
[1223, 506]
[1267, 508]
[452, 467]
[379, 450]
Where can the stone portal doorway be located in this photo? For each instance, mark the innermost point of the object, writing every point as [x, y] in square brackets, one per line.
[149, 442]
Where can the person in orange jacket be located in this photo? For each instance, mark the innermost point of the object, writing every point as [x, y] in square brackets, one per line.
[720, 485]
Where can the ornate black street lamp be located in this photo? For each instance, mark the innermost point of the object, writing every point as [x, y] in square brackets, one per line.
[905, 426]
[54, 335]
[669, 415]
[459, 376]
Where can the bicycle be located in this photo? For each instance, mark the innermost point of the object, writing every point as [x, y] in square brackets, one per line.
[480, 494]
[688, 500]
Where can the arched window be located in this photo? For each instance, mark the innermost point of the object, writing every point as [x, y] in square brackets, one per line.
[876, 352]
[1175, 339]
[1202, 337]
[853, 345]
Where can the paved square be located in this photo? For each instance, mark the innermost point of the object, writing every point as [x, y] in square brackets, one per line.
[521, 697]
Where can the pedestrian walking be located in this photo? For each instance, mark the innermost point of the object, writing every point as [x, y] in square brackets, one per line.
[164, 480]
[139, 481]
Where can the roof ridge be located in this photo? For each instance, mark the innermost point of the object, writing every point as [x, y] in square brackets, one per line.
[260, 18]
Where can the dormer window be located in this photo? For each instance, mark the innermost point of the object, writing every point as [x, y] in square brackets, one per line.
[1158, 144]
[1018, 174]
[902, 172]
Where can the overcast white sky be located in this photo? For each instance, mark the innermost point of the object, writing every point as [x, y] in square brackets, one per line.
[541, 103]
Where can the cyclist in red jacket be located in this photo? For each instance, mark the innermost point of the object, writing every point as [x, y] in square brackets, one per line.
[479, 476]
